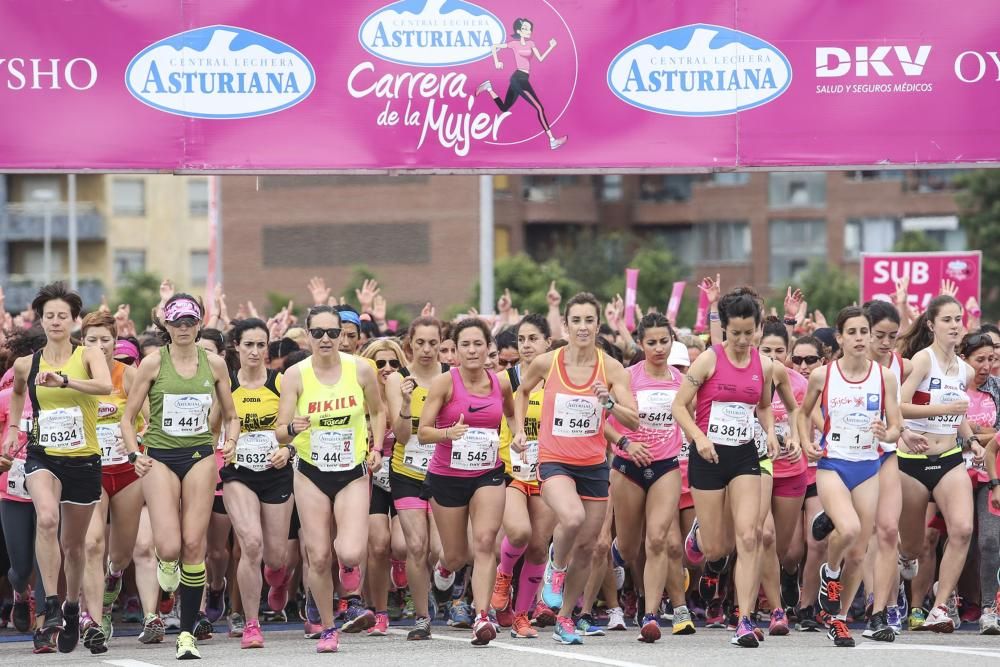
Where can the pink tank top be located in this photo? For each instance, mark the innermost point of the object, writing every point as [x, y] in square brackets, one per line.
[522, 53]
[572, 428]
[727, 400]
[982, 411]
[655, 399]
[782, 427]
[12, 482]
[478, 451]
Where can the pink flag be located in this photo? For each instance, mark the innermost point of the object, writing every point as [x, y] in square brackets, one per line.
[674, 306]
[631, 285]
[700, 320]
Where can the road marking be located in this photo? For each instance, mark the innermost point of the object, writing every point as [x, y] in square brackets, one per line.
[961, 650]
[580, 657]
[127, 662]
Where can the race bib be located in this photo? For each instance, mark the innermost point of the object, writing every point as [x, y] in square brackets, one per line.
[524, 465]
[685, 452]
[851, 443]
[186, 414]
[332, 450]
[476, 450]
[970, 462]
[946, 397]
[254, 449]
[576, 416]
[655, 408]
[61, 429]
[381, 478]
[109, 437]
[730, 424]
[759, 439]
[15, 480]
[417, 457]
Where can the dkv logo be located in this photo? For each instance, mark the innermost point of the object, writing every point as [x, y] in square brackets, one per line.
[699, 70]
[431, 33]
[220, 72]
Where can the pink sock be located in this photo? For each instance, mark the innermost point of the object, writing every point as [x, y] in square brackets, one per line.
[527, 586]
[509, 555]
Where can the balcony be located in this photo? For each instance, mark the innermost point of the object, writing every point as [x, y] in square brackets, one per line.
[26, 222]
[20, 290]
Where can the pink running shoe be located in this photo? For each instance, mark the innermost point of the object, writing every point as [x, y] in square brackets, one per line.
[381, 627]
[691, 549]
[327, 641]
[350, 578]
[779, 624]
[483, 631]
[398, 574]
[252, 636]
[312, 630]
[277, 596]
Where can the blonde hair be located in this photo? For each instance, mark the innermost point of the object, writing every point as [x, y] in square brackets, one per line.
[693, 341]
[377, 345]
[298, 334]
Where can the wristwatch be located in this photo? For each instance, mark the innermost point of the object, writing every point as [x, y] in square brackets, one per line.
[610, 404]
[994, 483]
[65, 379]
[132, 457]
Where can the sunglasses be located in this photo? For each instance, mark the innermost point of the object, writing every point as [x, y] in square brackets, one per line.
[318, 333]
[184, 322]
[977, 341]
[810, 360]
[393, 363]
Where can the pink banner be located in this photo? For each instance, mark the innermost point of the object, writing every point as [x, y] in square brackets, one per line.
[925, 270]
[674, 305]
[701, 319]
[631, 288]
[456, 85]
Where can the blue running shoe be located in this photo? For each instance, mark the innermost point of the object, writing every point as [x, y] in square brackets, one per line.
[616, 555]
[565, 632]
[585, 627]
[552, 584]
[460, 615]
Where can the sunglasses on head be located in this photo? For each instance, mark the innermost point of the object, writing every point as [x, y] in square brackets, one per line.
[976, 341]
[318, 333]
[809, 360]
[393, 363]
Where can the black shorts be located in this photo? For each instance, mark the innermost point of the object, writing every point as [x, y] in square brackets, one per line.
[592, 482]
[404, 487]
[812, 491]
[458, 491]
[330, 483]
[272, 487]
[733, 462]
[80, 476]
[646, 477]
[381, 502]
[219, 506]
[294, 525]
[930, 469]
[180, 460]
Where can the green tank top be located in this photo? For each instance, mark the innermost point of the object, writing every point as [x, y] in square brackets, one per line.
[178, 407]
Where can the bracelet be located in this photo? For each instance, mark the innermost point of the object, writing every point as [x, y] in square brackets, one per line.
[291, 431]
[790, 321]
[406, 417]
[622, 443]
[713, 317]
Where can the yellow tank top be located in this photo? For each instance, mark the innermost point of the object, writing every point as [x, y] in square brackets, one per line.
[410, 458]
[65, 420]
[527, 461]
[110, 410]
[337, 437]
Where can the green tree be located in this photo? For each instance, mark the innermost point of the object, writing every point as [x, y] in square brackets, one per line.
[595, 260]
[276, 301]
[142, 292]
[915, 242]
[658, 271]
[979, 199]
[359, 275]
[826, 287]
[528, 282]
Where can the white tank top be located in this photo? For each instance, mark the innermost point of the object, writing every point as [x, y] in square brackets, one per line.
[896, 367]
[940, 389]
[849, 409]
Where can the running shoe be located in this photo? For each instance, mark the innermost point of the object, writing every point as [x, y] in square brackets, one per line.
[107, 626]
[708, 586]
[616, 555]
[619, 577]
[215, 603]
[252, 636]
[483, 631]
[907, 567]
[565, 631]
[421, 629]
[22, 614]
[350, 578]
[717, 566]
[939, 620]
[503, 619]
[112, 588]
[397, 573]
[894, 619]
[616, 619]
[237, 624]
[822, 526]
[830, 589]
[202, 627]
[878, 628]
[172, 619]
[460, 615]
[650, 630]
[133, 610]
[666, 609]
[381, 627]
[409, 611]
[789, 588]
[715, 617]
[43, 642]
[443, 579]
[187, 647]
[552, 584]
[757, 632]
[93, 635]
[521, 629]
[556, 142]
[69, 637]
[312, 611]
[807, 619]
[543, 616]
[277, 594]
[152, 630]
[483, 87]
[988, 623]
[779, 623]
[394, 608]
[585, 627]
[902, 602]
[733, 619]
[970, 612]
[952, 604]
[839, 634]
[631, 602]
[745, 635]
[691, 548]
[358, 617]
[683, 622]
[500, 600]
[328, 641]
[168, 575]
[916, 620]
[312, 630]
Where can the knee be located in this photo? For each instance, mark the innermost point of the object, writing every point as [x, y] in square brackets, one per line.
[849, 530]
[536, 553]
[630, 552]
[320, 561]
[855, 555]
[960, 532]
[887, 535]
[193, 552]
[47, 521]
[767, 537]
[94, 547]
[747, 539]
[572, 522]
[252, 549]
[417, 546]
[484, 544]
[518, 535]
[657, 544]
[378, 548]
[675, 549]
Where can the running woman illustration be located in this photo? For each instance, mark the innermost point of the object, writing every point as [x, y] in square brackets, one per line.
[524, 48]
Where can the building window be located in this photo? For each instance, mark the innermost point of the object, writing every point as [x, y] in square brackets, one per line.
[794, 244]
[722, 242]
[667, 187]
[730, 178]
[197, 189]
[868, 235]
[545, 188]
[611, 188]
[933, 180]
[128, 196]
[874, 175]
[127, 262]
[199, 267]
[942, 229]
[797, 189]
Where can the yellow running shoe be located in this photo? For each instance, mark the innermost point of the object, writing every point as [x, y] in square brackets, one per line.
[187, 647]
[168, 574]
[683, 623]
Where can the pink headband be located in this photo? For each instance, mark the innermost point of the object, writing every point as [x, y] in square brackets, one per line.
[127, 348]
[181, 308]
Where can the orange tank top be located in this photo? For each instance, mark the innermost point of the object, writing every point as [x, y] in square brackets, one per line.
[572, 427]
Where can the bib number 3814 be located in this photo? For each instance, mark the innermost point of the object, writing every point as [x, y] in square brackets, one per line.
[730, 424]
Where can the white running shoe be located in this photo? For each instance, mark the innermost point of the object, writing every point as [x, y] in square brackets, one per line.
[616, 619]
[484, 86]
[442, 582]
[907, 567]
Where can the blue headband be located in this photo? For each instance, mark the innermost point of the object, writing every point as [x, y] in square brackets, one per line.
[350, 317]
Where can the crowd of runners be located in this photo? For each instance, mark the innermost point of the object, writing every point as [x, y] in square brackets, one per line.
[555, 473]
